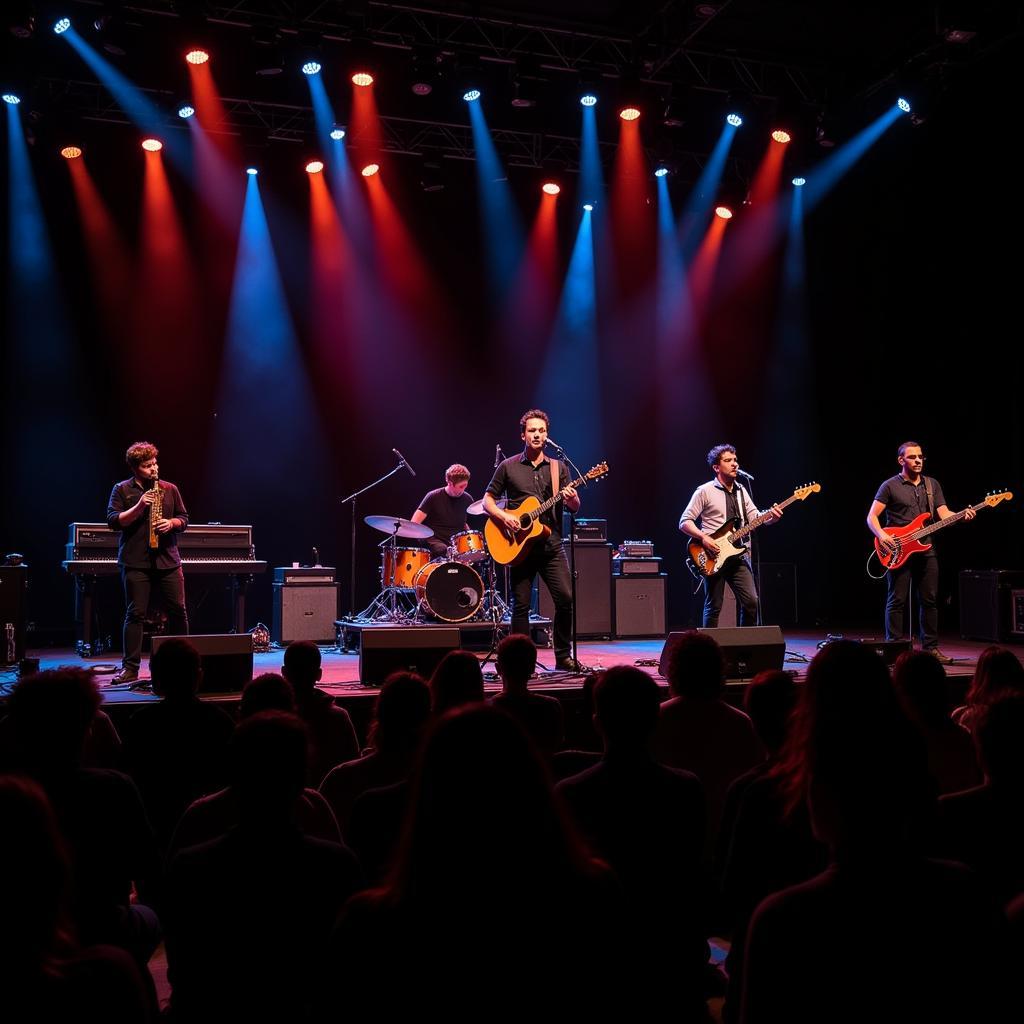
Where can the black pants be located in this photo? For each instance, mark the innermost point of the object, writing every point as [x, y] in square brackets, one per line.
[138, 585]
[736, 572]
[923, 570]
[548, 560]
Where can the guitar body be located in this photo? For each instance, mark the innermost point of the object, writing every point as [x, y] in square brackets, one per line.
[708, 564]
[508, 552]
[904, 548]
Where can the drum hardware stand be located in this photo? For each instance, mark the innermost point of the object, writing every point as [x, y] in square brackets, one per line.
[385, 606]
[351, 499]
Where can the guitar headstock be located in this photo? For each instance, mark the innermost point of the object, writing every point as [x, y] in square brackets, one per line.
[598, 471]
[802, 493]
[994, 497]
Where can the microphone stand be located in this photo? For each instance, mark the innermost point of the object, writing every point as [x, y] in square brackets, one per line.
[572, 550]
[351, 499]
[756, 551]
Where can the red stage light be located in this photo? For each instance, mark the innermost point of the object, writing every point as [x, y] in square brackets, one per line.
[197, 56]
[724, 212]
[781, 136]
[152, 145]
[71, 152]
[363, 78]
[551, 188]
[629, 113]
[314, 166]
[370, 170]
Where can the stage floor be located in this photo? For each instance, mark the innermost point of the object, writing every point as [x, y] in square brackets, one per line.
[341, 670]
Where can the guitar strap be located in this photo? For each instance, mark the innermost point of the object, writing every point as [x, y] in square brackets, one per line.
[554, 476]
[931, 499]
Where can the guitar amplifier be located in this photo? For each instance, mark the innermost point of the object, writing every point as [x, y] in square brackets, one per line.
[636, 566]
[587, 530]
[593, 591]
[985, 606]
[640, 606]
[637, 549]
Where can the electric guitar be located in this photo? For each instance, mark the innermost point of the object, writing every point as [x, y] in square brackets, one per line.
[730, 534]
[908, 538]
[508, 551]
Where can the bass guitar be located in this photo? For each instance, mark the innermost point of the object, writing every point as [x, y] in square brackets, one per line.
[909, 538]
[731, 533]
[507, 550]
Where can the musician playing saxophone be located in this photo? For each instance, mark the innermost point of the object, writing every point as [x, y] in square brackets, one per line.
[148, 513]
[902, 498]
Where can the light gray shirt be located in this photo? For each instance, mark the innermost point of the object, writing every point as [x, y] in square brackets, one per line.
[708, 505]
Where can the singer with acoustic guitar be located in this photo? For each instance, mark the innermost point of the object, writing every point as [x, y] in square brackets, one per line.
[720, 501]
[148, 513]
[903, 498]
[532, 474]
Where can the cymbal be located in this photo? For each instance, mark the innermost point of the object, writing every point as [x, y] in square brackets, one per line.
[394, 525]
[477, 508]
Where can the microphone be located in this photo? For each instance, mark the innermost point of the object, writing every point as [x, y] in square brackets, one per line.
[554, 444]
[744, 473]
[497, 455]
[401, 458]
[316, 556]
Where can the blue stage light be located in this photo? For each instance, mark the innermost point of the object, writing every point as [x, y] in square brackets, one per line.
[311, 67]
[471, 94]
[10, 98]
[588, 99]
[661, 172]
[185, 111]
[61, 26]
[734, 119]
[799, 181]
[251, 170]
[337, 134]
[904, 105]
[588, 207]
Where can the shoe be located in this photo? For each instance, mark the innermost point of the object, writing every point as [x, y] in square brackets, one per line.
[571, 665]
[126, 675]
[942, 659]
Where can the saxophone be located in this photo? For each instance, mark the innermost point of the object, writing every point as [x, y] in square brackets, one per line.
[156, 513]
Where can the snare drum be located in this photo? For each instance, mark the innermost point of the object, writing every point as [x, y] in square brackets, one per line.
[407, 562]
[468, 546]
[450, 591]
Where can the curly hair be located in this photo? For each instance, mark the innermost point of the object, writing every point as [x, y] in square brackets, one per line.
[717, 452]
[456, 472]
[533, 414]
[140, 452]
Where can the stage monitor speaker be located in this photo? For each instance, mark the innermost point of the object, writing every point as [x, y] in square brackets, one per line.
[747, 649]
[640, 606]
[226, 658]
[985, 603]
[399, 649]
[13, 612]
[593, 591]
[304, 611]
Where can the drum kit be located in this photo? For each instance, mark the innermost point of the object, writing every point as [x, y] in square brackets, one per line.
[418, 587]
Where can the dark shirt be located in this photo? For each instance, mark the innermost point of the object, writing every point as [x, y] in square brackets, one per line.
[905, 501]
[133, 550]
[445, 515]
[519, 478]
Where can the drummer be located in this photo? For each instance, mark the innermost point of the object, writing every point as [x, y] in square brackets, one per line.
[444, 509]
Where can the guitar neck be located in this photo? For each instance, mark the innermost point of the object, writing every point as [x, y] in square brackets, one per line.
[760, 520]
[948, 521]
[555, 498]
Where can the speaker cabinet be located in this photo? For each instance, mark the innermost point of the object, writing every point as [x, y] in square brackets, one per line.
[747, 649]
[776, 586]
[304, 611]
[593, 591]
[985, 603]
[226, 658]
[640, 606]
[396, 649]
[13, 609]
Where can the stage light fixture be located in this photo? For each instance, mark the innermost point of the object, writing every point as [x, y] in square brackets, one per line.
[362, 79]
[185, 111]
[61, 26]
[799, 181]
[197, 56]
[661, 172]
[779, 135]
[551, 188]
[152, 145]
[311, 67]
[314, 167]
[337, 133]
[370, 170]
[588, 207]
[724, 212]
[71, 152]
[629, 113]
[251, 171]
[904, 105]
[470, 95]
[12, 99]
[734, 119]
[588, 99]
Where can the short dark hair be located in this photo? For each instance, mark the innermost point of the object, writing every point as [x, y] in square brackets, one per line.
[696, 666]
[140, 452]
[627, 702]
[176, 668]
[456, 472]
[533, 414]
[921, 686]
[717, 452]
[517, 657]
[769, 701]
[301, 662]
[902, 450]
[269, 691]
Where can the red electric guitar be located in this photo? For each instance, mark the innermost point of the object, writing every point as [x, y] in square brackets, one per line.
[909, 538]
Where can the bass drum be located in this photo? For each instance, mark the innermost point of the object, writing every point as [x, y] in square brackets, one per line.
[449, 591]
